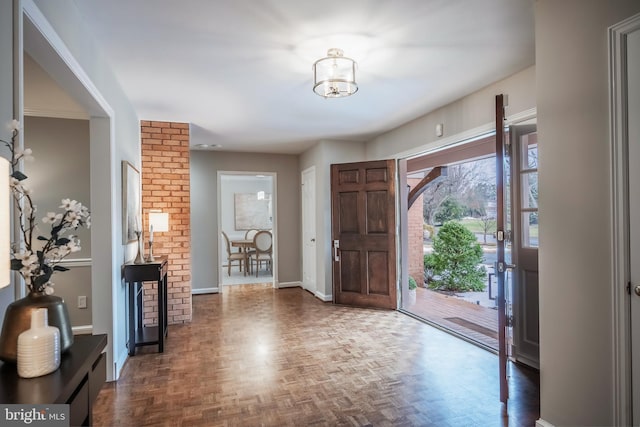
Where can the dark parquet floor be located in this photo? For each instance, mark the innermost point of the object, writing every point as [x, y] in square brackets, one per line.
[256, 356]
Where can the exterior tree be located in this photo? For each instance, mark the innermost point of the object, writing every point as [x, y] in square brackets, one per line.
[457, 259]
[449, 210]
[488, 226]
[470, 184]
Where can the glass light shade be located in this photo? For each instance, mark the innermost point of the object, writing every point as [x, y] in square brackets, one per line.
[159, 221]
[5, 231]
[335, 75]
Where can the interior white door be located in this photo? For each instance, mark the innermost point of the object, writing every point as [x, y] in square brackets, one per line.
[309, 281]
[633, 99]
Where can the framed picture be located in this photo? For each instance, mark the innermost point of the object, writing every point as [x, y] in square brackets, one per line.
[252, 211]
[131, 202]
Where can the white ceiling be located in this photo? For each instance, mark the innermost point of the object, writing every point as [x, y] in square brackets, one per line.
[240, 70]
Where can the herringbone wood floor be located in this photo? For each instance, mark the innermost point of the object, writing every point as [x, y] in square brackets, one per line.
[256, 356]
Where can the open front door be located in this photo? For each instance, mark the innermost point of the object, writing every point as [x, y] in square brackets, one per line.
[363, 218]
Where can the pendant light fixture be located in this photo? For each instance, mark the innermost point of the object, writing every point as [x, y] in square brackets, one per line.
[334, 76]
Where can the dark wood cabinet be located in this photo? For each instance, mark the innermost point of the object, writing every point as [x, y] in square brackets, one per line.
[76, 382]
[135, 275]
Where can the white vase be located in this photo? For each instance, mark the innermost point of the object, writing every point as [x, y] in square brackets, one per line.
[38, 347]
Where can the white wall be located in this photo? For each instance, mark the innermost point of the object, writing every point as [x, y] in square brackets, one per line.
[575, 256]
[232, 184]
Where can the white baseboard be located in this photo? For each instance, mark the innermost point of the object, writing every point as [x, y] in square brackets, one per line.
[281, 285]
[118, 365]
[201, 291]
[82, 330]
[323, 297]
[543, 423]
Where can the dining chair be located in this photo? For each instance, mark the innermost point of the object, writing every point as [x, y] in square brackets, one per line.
[248, 235]
[232, 256]
[263, 243]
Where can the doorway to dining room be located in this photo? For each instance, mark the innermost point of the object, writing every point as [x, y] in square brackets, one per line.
[246, 205]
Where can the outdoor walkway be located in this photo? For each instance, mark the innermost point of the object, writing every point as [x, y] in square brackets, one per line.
[466, 318]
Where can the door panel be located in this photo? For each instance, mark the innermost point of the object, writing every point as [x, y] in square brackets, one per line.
[363, 225]
[524, 211]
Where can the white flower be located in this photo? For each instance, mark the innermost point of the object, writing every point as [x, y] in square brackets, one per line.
[27, 258]
[52, 217]
[15, 184]
[69, 205]
[37, 267]
[74, 244]
[25, 154]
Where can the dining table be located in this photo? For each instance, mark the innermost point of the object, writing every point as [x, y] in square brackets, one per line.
[245, 246]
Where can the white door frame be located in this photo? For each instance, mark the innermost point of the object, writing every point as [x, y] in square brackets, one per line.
[620, 274]
[309, 255]
[51, 52]
[274, 231]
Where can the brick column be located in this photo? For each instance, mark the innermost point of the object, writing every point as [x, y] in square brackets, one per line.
[416, 245]
[166, 186]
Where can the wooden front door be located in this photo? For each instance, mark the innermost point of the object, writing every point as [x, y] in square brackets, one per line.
[363, 233]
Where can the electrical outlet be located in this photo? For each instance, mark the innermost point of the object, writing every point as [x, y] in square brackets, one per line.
[82, 301]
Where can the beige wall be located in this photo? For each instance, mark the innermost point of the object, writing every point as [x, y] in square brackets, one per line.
[463, 118]
[204, 211]
[575, 255]
[61, 170]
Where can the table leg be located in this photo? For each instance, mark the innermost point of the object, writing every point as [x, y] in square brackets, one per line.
[162, 289]
[132, 319]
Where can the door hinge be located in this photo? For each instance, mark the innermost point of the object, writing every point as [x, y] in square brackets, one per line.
[510, 321]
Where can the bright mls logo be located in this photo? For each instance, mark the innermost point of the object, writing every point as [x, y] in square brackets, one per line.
[34, 415]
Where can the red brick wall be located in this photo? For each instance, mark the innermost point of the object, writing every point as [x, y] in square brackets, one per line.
[166, 186]
[416, 263]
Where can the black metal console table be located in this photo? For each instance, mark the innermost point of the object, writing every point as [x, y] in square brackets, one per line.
[135, 275]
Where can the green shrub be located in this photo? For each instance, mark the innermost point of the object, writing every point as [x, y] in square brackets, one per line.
[412, 283]
[429, 268]
[456, 260]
